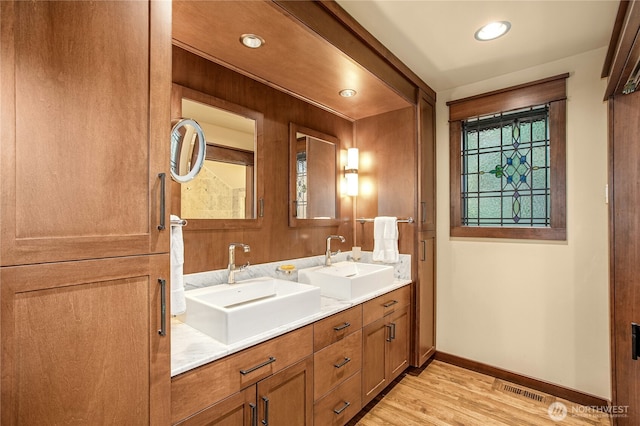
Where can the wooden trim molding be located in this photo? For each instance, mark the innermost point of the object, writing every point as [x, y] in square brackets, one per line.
[615, 37]
[522, 380]
[624, 48]
[534, 93]
[551, 90]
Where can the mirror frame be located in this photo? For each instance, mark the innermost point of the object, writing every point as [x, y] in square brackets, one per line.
[177, 93]
[293, 220]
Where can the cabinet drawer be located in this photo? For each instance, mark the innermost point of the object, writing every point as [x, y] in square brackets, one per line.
[385, 304]
[203, 386]
[336, 327]
[340, 405]
[337, 362]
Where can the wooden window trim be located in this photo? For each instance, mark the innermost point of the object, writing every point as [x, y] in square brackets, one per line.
[550, 90]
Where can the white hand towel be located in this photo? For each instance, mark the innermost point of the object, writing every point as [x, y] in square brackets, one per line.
[178, 303]
[385, 239]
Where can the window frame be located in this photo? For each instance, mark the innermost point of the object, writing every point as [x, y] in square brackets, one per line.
[551, 91]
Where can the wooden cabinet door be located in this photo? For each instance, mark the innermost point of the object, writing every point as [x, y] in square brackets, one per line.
[286, 398]
[427, 164]
[374, 372]
[239, 409]
[80, 343]
[425, 300]
[625, 257]
[397, 342]
[85, 92]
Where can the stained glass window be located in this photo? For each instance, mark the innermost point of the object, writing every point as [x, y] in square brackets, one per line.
[301, 184]
[506, 169]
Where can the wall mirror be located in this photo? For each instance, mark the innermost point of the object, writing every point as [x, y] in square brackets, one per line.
[227, 192]
[313, 178]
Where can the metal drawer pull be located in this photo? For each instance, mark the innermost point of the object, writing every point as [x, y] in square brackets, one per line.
[393, 331]
[341, 409]
[388, 304]
[389, 327]
[343, 363]
[252, 369]
[265, 422]
[254, 414]
[342, 327]
[163, 306]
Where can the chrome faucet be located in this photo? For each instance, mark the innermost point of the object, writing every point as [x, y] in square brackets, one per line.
[232, 261]
[328, 254]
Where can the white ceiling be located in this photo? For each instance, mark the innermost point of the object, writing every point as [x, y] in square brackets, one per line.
[435, 38]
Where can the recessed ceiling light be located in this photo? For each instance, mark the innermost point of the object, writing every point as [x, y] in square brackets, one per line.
[251, 40]
[347, 93]
[492, 30]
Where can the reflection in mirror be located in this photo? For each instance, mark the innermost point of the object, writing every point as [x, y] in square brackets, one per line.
[226, 187]
[313, 177]
[188, 147]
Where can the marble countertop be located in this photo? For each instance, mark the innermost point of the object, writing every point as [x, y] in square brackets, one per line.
[191, 348]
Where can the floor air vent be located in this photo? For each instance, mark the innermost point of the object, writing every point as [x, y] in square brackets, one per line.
[522, 393]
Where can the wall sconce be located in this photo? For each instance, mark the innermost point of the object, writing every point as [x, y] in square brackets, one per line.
[351, 172]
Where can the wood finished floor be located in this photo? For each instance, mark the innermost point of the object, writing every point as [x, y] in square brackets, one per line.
[442, 394]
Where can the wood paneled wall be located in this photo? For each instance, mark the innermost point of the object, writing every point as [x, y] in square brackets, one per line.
[388, 174]
[274, 240]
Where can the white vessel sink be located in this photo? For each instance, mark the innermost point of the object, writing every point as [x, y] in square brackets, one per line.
[347, 280]
[233, 312]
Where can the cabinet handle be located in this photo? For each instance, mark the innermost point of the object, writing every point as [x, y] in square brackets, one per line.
[634, 340]
[389, 328]
[423, 214]
[389, 304]
[423, 255]
[343, 363]
[252, 369]
[393, 331]
[295, 208]
[163, 306]
[163, 178]
[341, 409]
[265, 422]
[261, 212]
[254, 414]
[342, 327]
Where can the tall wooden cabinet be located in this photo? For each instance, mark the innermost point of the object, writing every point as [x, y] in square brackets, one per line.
[84, 100]
[424, 294]
[427, 162]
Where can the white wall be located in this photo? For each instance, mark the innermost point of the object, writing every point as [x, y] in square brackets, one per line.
[536, 308]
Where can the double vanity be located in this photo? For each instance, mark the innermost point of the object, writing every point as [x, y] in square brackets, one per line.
[290, 346]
